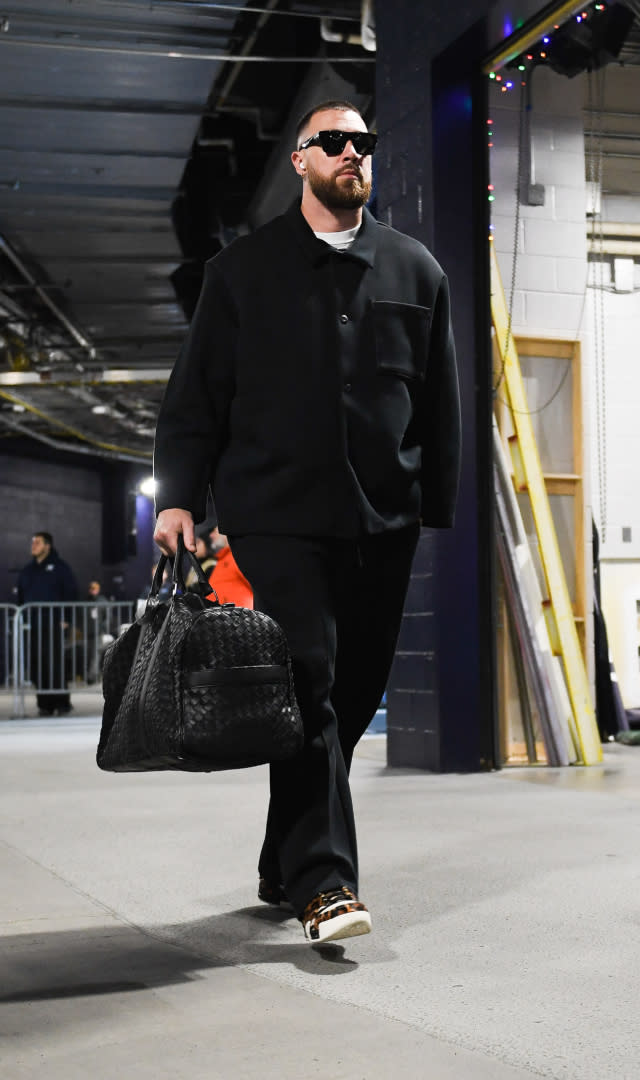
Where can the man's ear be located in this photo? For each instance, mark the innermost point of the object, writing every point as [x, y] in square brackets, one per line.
[298, 163]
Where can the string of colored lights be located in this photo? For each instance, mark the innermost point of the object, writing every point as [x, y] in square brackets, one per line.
[524, 63]
[535, 55]
[538, 53]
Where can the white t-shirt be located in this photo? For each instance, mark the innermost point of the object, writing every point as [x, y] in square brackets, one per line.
[340, 240]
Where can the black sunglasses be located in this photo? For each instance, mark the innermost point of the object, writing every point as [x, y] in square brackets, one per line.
[334, 142]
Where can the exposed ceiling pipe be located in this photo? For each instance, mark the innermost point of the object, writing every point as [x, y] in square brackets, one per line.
[73, 448]
[611, 112]
[335, 37]
[368, 25]
[81, 340]
[620, 135]
[10, 312]
[367, 36]
[25, 406]
[235, 9]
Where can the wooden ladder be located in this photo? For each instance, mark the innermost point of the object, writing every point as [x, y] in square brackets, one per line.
[529, 477]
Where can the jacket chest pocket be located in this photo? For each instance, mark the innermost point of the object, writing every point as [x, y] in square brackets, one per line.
[401, 333]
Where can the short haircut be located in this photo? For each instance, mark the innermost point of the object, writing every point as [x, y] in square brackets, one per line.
[46, 536]
[322, 106]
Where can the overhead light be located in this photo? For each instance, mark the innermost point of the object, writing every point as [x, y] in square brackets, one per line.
[148, 486]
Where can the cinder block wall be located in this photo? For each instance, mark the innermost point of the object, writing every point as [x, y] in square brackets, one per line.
[551, 241]
[37, 495]
[66, 500]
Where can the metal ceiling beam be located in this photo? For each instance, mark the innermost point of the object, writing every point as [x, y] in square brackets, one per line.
[526, 35]
[600, 247]
[137, 214]
[20, 30]
[110, 376]
[140, 302]
[107, 191]
[624, 135]
[611, 112]
[101, 260]
[214, 22]
[208, 9]
[145, 339]
[71, 329]
[100, 105]
[171, 155]
[613, 228]
[90, 448]
[255, 10]
[179, 54]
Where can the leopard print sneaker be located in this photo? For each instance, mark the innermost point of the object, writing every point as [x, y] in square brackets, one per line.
[333, 915]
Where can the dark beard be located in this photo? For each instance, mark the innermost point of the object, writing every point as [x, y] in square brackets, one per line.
[349, 196]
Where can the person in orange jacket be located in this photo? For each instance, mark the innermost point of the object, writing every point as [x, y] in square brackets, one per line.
[229, 583]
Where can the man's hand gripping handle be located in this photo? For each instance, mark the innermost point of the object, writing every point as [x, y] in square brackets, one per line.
[169, 525]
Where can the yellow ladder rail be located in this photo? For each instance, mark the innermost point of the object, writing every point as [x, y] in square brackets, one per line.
[530, 468]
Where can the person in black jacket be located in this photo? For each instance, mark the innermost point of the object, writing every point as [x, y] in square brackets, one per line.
[317, 394]
[46, 580]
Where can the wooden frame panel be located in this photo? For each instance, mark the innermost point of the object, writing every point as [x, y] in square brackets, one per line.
[568, 483]
[571, 484]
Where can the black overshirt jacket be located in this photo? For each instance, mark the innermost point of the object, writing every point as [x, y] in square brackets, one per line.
[316, 390]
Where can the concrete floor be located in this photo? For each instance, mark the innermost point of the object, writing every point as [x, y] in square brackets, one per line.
[506, 914]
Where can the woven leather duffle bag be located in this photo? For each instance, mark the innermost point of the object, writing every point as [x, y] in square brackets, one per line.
[197, 686]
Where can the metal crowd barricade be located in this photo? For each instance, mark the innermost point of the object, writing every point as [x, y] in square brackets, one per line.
[7, 617]
[58, 648]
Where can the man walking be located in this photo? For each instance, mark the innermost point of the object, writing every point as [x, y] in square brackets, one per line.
[317, 393]
[47, 580]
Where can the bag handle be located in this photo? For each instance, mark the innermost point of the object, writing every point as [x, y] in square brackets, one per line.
[158, 576]
[202, 587]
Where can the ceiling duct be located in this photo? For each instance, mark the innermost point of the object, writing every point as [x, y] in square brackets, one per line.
[71, 447]
[366, 37]
[589, 44]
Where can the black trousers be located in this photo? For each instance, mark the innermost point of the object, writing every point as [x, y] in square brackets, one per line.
[339, 603]
[47, 661]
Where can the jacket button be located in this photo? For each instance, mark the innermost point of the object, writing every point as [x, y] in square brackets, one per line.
[347, 388]
[344, 318]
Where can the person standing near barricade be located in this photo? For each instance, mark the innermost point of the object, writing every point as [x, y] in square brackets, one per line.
[317, 393]
[98, 626]
[45, 580]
